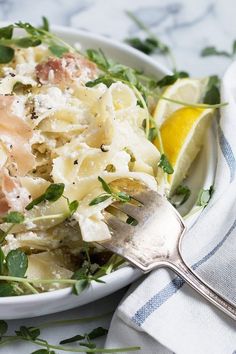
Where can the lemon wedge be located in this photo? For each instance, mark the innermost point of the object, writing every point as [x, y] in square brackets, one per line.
[185, 90]
[182, 137]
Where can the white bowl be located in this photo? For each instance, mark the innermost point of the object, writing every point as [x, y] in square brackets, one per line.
[61, 300]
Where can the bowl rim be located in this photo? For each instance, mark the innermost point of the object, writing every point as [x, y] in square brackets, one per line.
[155, 66]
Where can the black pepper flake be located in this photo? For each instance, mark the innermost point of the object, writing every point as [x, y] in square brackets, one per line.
[76, 162]
[73, 182]
[11, 146]
[17, 196]
[12, 75]
[29, 196]
[104, 148]
[34, 115]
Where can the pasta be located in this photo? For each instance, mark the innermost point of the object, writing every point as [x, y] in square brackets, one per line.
[56, 130]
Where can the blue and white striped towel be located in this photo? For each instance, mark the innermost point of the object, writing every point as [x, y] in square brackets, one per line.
[164, 315]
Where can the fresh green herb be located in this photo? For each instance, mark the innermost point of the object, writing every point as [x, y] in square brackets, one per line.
[7, 289]
[182, 194]
[152, 43]
[52, 194]
[73, 206]
[3, 328]
[32, 335]
[209, 51]
[35, 36]
[213, 51]
[101, 198]
[195, 105]
[204, 197]
[28, 332]
[6, 54]
[171, 79]
[105, 186]
[148, 46]
[45, 26]
[14, 217]
[43, 351]
[165, 165]
[116, 196]
[212, 95]
[2, 259]
[106, 80]
[80, 286]
[17, 263]
[6, 32]
[58, 50]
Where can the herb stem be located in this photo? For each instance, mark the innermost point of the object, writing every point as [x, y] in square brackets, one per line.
[74, 321]
[141, 99]
[31, 288]
[195, 105]
[88, 350]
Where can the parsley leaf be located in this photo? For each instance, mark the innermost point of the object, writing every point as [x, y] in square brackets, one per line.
[17, 263]
[165, 165]
[31, 333]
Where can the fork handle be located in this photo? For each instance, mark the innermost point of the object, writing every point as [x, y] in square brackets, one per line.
[180, 268]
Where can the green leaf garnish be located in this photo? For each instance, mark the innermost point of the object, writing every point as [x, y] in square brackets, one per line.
[98, 57]
[106, 80]
[7, 289]
[2, 259]
[73, 206]
[80, 286]
[17, 263]
[58, 50]
[72, 339]
[43, 351]
[182, 193]
[14, 217]
[171, 79]
[165, 165]
[100, 199]
[31, 333]
[212, 95]
[45, 26]
[209, 51]
[105, 186]
[97, 332]
[6, 32]
[204, 197]
[6, 54]
[3, 327]
[52, 194]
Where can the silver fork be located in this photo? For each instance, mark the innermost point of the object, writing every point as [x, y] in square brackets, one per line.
[156, 242]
